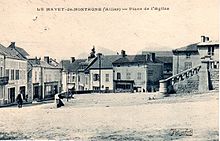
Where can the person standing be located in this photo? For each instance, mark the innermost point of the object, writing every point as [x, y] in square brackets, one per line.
[19, 100]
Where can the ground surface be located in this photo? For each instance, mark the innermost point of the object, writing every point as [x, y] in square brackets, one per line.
[116, 117]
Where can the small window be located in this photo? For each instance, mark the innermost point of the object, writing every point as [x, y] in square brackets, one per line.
[107, 77]
[139, 75]
[95, 77]
[78, 78]
[17, 74]
[188, 65]
[128, 76]
[118, 75]
[188, 55]
[7, 72]
[12, 75]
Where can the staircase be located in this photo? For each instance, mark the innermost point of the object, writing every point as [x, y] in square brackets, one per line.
[166, 85]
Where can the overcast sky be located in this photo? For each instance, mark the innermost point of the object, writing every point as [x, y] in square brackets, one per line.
[65, 34]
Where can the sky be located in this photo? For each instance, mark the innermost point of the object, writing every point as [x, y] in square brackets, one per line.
[65, 34]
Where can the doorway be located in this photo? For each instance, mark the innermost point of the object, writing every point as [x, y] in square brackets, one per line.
[11, 95]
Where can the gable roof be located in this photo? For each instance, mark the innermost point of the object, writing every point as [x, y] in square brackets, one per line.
[39, 63]
[188, 48]
[106, 62]
[131, 59]
[10, 53]
[71, 67]
[159, 53]
[164, 59]
[20, 50]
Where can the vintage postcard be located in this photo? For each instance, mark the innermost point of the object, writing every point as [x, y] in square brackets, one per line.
[105, 70]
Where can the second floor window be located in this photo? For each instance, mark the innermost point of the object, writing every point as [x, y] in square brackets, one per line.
[17, 74]
[107, 77]
[7, 72]
[188, 65]
[188, 55]
[1, 71]
[139, 75]
[128, 75]
[211, 51]
[95, 77]
[12, 75]
[118, 75]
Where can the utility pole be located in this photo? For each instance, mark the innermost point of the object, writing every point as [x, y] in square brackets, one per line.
[99, 57]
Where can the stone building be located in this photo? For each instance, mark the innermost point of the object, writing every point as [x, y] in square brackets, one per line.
[185, 58]
[101, 73]
[69, 73]
[14, 75]
[164, 57]
[195, 68]
[45, 78]
[137, 73]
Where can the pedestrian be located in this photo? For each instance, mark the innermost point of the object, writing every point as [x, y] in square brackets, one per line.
[19, 100]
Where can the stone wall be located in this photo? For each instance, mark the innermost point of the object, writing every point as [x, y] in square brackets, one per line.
[189, 85]
[214, 78]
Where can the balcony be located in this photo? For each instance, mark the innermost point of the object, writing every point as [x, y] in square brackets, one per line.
[4, 80]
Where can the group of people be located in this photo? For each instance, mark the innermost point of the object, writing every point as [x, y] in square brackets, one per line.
[58, 98]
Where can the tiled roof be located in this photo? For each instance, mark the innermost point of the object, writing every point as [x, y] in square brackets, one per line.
[20, 50]
[131, 59]
[10, 53]
[159, 53]
[106, 61]
[72, 67]
[164, 59]
[40, 63]
[189, 48]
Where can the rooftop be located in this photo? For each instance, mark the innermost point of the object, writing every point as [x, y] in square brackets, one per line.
[106, 61]
[189, 48]
[131, 59]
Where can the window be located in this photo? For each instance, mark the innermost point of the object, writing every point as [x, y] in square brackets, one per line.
[107, 77]
[128, 75]
[7, 72]
[73, 78]
[118, 75]
[188, 65]
[139, 75]
[78, 78]
[12, 74]
[211, 51]
[188, 55]
[17, 74]
[86, 80]
[1, 69]
[95, 77]
[35, 76]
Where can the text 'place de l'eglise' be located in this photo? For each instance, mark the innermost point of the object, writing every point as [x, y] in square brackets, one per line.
[189, 69]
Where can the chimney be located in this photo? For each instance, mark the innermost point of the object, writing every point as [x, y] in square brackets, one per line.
[123, 54]
[72, 59]
[148, 57]
[206, 39]
[203, 38]
[153, 57]
[12, 44]
[47, 59]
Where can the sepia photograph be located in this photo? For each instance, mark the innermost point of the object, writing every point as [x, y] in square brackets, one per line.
[108, 70]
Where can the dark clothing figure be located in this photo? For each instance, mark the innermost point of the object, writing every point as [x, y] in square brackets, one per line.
[19, 100]
[59, 101]
[69, 95]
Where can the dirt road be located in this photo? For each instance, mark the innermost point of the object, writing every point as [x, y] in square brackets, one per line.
[116, 117]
